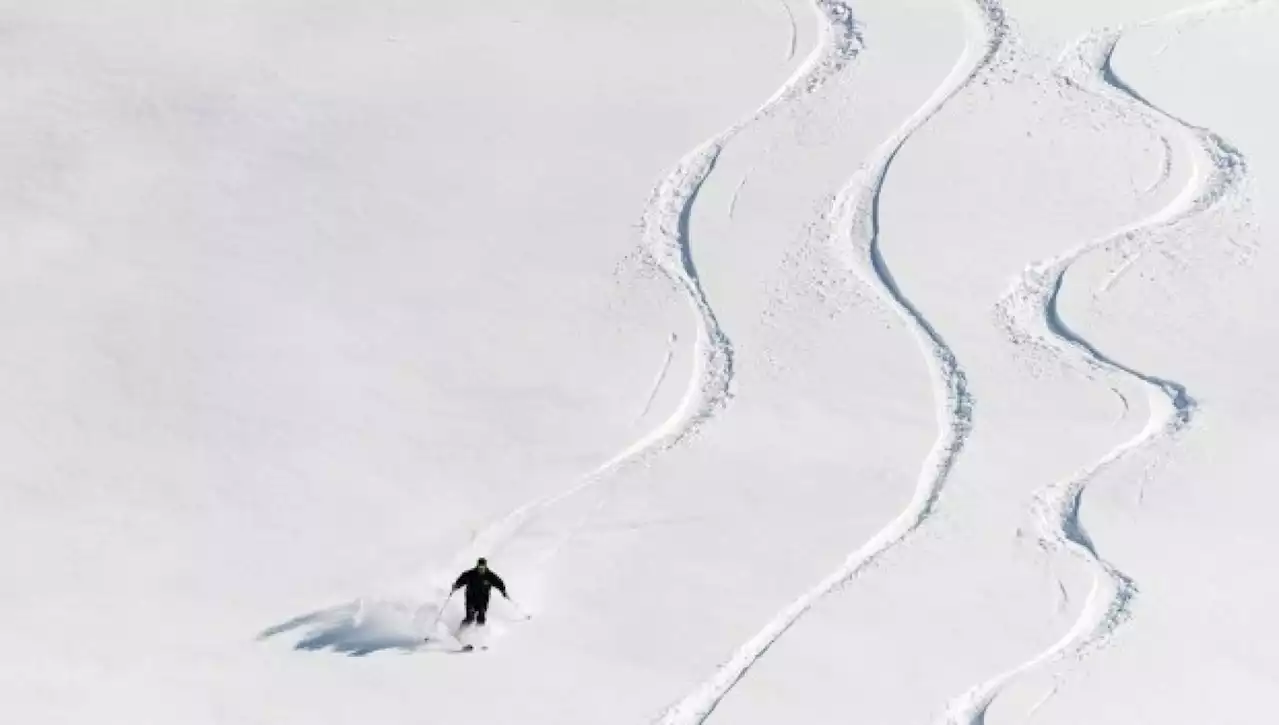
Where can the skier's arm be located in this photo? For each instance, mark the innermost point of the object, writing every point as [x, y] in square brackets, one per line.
[461, 582]
[496, 581]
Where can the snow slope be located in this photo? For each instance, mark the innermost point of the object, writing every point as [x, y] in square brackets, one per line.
[792, 361]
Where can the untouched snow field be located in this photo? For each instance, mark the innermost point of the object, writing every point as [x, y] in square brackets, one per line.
[899, 361]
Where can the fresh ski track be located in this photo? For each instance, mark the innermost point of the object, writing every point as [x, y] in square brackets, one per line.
[1028, 313]
[1206, 147]
[791, 29]
[737, 190]
[665, 231]
[1166, 167]
[854, 230]
[661, 376]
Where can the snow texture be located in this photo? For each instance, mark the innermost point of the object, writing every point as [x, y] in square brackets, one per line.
[792, 361]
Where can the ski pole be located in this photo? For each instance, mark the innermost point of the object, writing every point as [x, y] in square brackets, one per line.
[519, 609]
[440, 613]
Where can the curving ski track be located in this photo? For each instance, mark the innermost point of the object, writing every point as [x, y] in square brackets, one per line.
[854, 220]
[791, 29]
[661, 376]
[737, 190]
[1166, 167]
[1218, 161]
[1028, 312]
[665, 231]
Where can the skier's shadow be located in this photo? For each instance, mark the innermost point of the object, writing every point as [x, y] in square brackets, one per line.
[362, 627]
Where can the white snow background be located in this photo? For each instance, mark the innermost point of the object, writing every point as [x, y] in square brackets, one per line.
[894, 361]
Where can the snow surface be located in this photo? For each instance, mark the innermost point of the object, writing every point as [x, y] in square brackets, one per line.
[904, 361]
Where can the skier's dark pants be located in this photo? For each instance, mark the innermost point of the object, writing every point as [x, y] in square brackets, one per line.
[477, 605]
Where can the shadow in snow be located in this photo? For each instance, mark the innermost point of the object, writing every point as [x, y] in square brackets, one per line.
[363, 627]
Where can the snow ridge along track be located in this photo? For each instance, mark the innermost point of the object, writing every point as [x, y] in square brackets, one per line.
[1029, 315]
[855, 231]
[665, 225]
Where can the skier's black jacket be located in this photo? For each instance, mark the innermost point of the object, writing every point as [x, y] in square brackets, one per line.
[478, 584]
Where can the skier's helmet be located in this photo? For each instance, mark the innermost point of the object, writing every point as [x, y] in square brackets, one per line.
[482, 563]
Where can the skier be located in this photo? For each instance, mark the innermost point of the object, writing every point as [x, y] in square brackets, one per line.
[478, 581]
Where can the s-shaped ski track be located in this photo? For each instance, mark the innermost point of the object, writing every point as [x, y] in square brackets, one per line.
[856, 235]
[1028, 312]
[665, 232]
